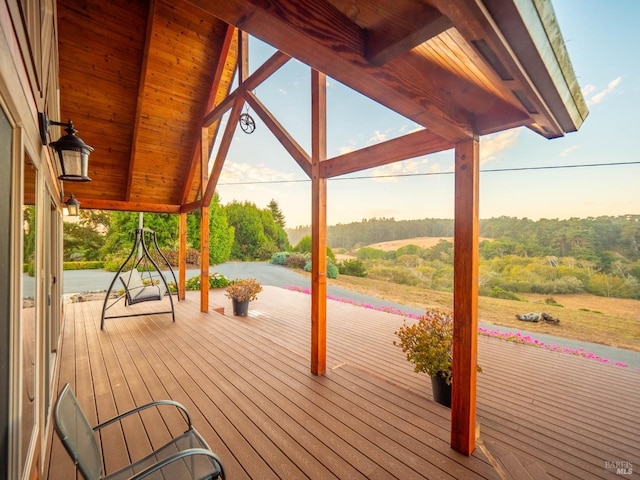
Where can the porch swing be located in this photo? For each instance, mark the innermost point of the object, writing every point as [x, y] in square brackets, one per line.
[143, 282]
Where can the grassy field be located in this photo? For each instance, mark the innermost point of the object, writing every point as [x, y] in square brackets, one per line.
[608, 321]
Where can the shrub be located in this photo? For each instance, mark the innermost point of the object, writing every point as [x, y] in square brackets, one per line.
[368, 253]
[332, 269]
[279, 258]
[399, 275]
[216, 280]
[112, 262]
[193, 256]
[497, 292]
[428, 344]
[552, 301]
[296, 260]
[354, 268]
[95, 265]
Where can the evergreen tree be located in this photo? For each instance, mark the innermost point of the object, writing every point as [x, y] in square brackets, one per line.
[277, 214]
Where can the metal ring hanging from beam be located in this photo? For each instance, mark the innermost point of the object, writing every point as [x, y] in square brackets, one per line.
[247, 124]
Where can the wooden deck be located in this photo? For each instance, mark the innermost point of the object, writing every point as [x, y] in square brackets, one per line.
[247, 384]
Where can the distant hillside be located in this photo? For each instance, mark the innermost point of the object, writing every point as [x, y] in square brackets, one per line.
[422, 242]
[604, 241]
[375, 230]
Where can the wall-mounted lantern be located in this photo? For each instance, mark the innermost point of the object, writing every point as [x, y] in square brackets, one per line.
[73, 153]
[73, 206]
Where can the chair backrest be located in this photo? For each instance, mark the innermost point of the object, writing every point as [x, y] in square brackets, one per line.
[132, 282]
[76, 434]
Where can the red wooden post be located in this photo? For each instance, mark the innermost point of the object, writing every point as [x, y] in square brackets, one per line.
[318, 225]
[465, 296]
[204, 224]
[182, 256]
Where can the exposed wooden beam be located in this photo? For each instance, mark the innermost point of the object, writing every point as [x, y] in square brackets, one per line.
[281, 134]
[182, 256]
[476, 24]
[384, 44]
[141, 86]
[190, 207]
[223, 149]
[243, 56]
[326, 40]
[412, 145]
[204, 224]
[215, 87]
[276, 61]
[318, 224]
[98, 204]
[465, 296]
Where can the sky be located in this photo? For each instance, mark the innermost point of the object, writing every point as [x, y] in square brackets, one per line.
[601, 37]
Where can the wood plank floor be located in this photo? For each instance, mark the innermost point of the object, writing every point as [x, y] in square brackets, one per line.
[247, 384]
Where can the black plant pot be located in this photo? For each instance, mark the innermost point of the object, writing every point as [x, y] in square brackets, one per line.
[240, 308]
[441, 391]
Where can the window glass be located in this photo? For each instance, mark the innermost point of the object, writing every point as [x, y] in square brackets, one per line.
[29, 310]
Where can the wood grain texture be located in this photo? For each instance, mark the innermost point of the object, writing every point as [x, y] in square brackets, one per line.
[247, 384]
[465, 296]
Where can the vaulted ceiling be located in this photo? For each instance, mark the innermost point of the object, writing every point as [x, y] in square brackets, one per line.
[139, 78]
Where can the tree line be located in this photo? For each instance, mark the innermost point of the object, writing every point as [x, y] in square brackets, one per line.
[238, 231]
[598, 255]
[598, 239]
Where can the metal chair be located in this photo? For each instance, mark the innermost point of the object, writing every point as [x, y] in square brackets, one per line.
[185, 457]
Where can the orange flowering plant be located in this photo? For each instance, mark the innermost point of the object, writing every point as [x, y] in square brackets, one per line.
[244, 289]
[428, 343]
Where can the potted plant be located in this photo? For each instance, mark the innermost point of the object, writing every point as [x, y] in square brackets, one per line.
[428, 344]
[241, 292]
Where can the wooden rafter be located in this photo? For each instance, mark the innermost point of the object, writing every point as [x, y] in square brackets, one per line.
[329, 42]
[141, 86]
[215, 87]
[281, 134]
[412, 145]
[272, 64]
[384, 44]
[475, 23]
[223, 149]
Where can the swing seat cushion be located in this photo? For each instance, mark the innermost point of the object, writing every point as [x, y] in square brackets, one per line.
[137, 291]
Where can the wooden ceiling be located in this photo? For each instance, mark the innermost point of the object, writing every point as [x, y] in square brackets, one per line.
[139, 78]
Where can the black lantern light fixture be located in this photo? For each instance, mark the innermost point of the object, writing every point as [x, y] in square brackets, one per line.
[73, 153]
[73, 206]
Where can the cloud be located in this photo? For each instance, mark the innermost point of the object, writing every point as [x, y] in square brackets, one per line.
[492, 145]
[390, 173]
[569, 150]
[377, 137]
[235, 172]
[588, 90]
[600, 96]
